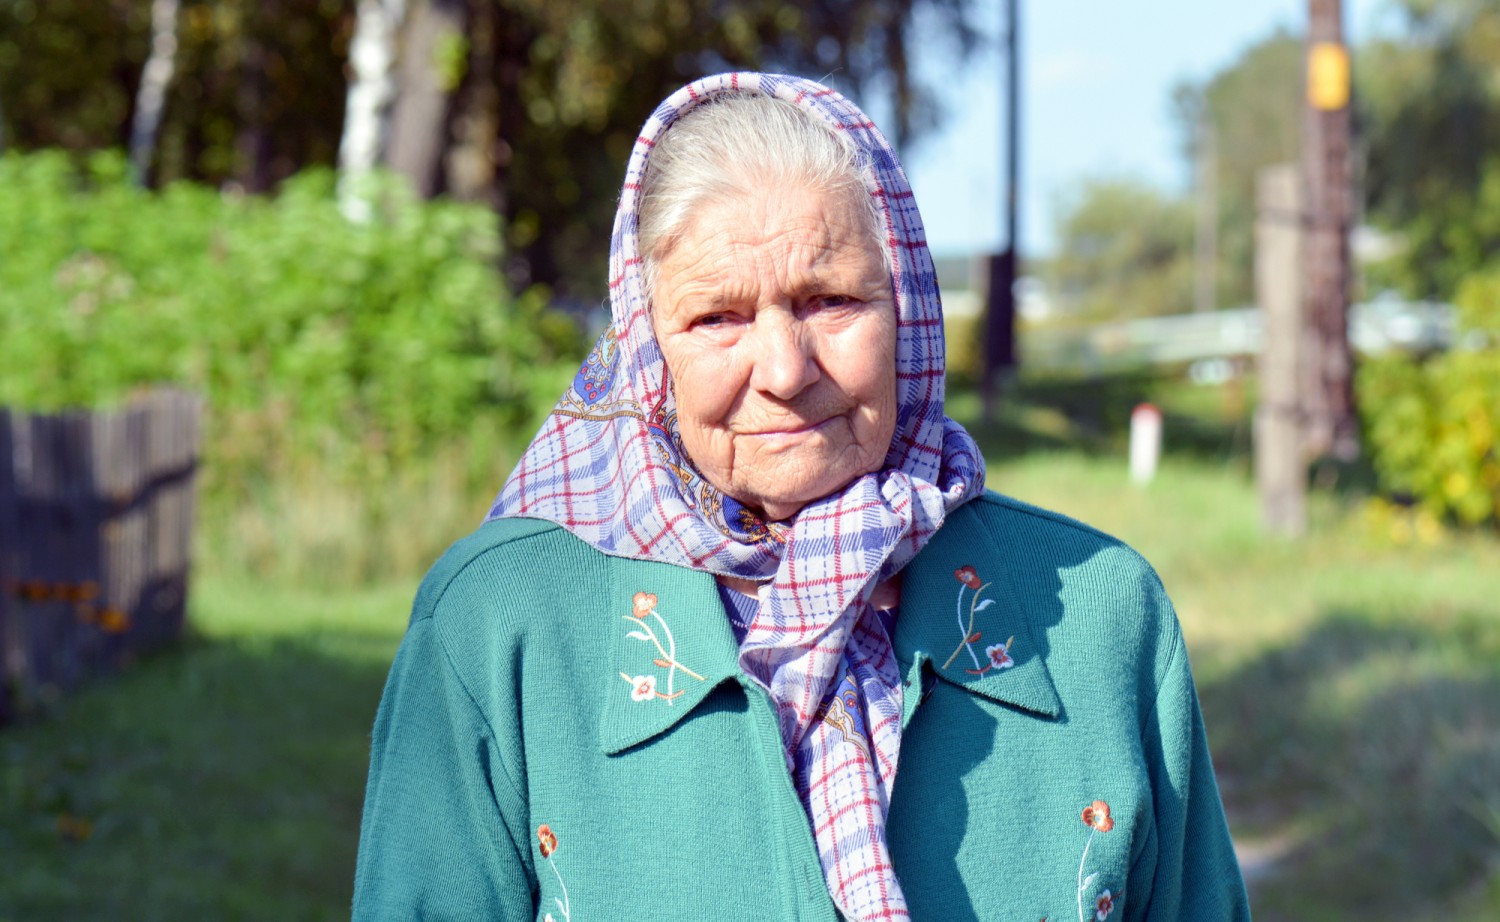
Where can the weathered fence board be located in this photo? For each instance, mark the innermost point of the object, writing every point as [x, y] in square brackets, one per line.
[95, 533]
[10, 651]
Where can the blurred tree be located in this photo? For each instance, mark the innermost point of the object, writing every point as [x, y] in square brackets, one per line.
[69, 70]
[1253, 110]
[1125, 250]
[1427, 129]
[258, 91]
[546, 106]
[527, 105]
[1430, 103]
[434, 57]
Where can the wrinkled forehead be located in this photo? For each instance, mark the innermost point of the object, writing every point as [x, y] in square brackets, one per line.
[779, 244]
[885, 181]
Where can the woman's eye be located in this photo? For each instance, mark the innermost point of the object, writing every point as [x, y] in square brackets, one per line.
[835, 301]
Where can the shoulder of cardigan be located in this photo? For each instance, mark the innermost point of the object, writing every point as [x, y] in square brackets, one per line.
[688, 602]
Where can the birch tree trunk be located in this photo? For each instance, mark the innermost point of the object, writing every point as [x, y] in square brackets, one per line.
[155, 79]
[372, 58]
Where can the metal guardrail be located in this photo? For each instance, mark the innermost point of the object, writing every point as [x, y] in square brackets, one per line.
[1375, 327]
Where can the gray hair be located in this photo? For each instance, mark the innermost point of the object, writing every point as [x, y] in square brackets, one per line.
[734, 146]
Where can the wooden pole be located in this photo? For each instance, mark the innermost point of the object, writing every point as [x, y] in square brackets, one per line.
[1332, 427]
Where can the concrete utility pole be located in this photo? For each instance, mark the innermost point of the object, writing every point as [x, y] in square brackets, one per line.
[1332, 428]
[1280, 462]
[1000, 310]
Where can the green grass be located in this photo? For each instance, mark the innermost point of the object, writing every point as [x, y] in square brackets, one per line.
[222, 780]
[1350, 683]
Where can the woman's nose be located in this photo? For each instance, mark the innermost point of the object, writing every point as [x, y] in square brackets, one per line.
[785, 356]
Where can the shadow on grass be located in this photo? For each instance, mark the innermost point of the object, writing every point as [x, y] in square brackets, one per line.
[1375, 749]
[221, 780]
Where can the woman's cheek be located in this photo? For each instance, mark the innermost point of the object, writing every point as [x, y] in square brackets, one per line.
[705, 388]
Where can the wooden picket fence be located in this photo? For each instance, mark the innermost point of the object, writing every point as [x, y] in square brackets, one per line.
[96, 513]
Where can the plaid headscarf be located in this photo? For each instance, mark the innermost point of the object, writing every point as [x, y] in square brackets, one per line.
[608, 465]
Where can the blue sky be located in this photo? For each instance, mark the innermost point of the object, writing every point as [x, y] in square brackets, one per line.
[1096, 80]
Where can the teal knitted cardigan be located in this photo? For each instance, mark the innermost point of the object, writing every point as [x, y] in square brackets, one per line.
[544, 750]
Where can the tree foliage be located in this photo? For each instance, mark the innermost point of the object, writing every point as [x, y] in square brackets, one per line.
[358, 346]
[259, 91]
[1430, 103]
[1254, 109]
[592, 71]
[1125, 250]
[546, 94]
[1434, 425]
[1431, 108]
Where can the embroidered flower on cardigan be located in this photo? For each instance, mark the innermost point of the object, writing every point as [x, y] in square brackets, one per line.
[998, 655]
[643, 604]
[546, 840]
[1096, 817]
[644, 687]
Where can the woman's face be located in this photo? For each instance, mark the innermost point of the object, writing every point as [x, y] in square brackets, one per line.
[775, 315]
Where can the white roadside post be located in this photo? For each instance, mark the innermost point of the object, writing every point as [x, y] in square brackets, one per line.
[1145, 442]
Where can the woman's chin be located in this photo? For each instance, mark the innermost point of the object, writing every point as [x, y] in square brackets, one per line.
[780, 510]
[781, 499]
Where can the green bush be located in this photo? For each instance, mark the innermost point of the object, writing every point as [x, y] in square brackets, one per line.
[1433, 426]
[329, 352]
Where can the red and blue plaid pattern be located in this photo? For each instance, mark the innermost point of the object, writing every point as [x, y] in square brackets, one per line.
[608, 465]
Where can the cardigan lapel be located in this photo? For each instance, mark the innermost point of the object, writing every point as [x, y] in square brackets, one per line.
[672, 645]
[960, 608]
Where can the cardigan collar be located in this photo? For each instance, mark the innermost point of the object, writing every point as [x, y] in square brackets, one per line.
[962, 607]
[961, 611]
[672, 645]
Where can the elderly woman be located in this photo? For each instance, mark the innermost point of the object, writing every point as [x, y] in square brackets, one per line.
[744, 637]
